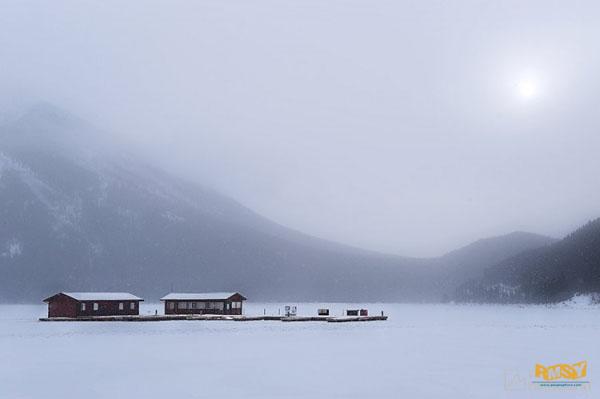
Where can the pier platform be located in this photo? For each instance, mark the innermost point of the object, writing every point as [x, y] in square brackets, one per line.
[144, 318]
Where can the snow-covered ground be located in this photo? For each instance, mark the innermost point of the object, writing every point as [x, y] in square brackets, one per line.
[422, 351]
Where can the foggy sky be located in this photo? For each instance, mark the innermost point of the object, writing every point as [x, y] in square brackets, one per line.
[389, 125]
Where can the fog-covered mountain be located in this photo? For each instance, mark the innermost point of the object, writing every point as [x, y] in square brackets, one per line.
[79, 213]
[547, 274]
[470, 262]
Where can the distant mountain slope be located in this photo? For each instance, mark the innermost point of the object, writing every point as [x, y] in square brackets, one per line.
[547, 274]
[490, 251]
[469, 262]
[76, 213]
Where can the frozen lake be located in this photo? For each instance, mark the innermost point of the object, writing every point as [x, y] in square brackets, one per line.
[422, 351]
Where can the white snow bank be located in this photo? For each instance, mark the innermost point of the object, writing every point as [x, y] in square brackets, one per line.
[583, 300]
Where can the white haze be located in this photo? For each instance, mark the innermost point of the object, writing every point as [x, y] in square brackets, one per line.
[389, 125]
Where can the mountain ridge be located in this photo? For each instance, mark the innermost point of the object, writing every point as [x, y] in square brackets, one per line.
[82, 218]
[552, 273]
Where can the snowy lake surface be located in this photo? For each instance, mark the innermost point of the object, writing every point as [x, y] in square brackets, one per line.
[422, 351]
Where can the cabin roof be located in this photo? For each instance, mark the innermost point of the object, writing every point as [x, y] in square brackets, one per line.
[99, 296]
[204, 296]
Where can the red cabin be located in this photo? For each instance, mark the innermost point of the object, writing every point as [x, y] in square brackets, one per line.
[205, 303]
[78, 304]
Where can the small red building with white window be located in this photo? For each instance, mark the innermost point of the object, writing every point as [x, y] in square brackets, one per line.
[79, 304]
[229, 303]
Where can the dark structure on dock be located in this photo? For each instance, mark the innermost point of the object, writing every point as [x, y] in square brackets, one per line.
[85, 304]
[228, 303]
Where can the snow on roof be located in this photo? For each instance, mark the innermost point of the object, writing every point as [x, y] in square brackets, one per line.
[102, 296]
[206, 296]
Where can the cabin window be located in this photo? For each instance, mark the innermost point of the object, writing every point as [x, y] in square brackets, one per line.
[218, 305]
[132, 305]
[182, 305]
[193, 305]
[236, 305]
[83, 307]
[172, 305]
[120, 305]
[95, 305]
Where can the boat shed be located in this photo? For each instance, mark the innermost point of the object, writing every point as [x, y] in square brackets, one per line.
[79, 304]
[229, 303]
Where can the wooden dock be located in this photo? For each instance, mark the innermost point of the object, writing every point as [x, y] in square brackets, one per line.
[356, 318]
[143, 318]
[331, 319]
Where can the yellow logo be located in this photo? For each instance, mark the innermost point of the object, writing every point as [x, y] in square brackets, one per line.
[561, 371]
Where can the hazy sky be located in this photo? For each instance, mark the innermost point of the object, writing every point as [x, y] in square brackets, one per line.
[410, 127]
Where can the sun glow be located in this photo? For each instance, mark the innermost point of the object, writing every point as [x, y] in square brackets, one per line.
[527, 88]
[527, 85]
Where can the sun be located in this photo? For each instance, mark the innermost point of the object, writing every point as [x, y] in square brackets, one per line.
[527, 88]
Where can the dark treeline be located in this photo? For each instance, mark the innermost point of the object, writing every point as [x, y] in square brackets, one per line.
[549, 274]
